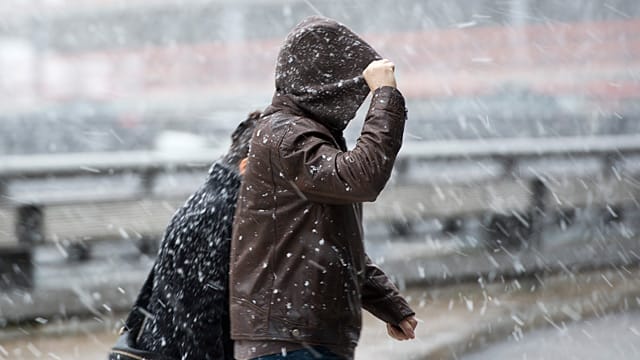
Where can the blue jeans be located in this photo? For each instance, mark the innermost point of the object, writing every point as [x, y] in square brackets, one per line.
[317, 353]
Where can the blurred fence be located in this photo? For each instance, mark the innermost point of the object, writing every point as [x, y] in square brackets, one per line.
[516, 186]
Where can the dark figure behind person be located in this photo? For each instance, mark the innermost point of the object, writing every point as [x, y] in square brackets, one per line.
[187, 314]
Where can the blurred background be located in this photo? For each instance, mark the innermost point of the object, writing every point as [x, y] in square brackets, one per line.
[511, 220]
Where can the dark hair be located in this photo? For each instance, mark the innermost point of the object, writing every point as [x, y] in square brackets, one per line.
[241, 137]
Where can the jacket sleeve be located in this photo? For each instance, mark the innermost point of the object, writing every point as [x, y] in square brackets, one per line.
[381, 298]
[323, 173]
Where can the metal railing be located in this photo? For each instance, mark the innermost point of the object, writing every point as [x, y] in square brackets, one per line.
[518, 181]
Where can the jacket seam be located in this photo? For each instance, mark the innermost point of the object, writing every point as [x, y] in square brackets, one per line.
[279, 146]
[275, 236]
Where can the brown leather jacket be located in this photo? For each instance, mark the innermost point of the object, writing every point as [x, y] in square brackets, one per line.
[299, 272]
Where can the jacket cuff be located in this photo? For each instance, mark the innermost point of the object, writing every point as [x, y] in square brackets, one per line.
[392, 309]
[388, 98]
[401, 310]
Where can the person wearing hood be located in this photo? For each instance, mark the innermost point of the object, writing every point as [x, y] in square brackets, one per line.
[299, 274]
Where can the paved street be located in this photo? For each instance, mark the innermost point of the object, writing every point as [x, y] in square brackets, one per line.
[455, 320]
[459, 319]
[611, 337]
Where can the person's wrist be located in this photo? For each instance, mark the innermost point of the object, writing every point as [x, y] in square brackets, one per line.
[381, 85]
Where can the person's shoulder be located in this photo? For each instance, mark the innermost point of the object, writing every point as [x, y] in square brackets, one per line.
[287, 130]
[304, 133]
[280, 122]
[295, 126]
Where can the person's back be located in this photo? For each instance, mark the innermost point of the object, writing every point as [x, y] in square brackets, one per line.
[189, 295]
[188, 316]
[299, 272]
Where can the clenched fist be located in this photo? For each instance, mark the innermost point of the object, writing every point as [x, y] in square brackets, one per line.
[405, 330]
[380, 73]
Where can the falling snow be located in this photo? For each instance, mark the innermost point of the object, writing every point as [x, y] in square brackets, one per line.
[512, 213]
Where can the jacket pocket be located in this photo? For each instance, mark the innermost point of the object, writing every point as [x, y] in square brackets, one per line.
[247, 317]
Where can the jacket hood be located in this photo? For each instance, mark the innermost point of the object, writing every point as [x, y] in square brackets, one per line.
[319, 70]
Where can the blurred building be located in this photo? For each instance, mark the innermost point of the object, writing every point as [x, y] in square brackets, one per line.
[91, 75]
